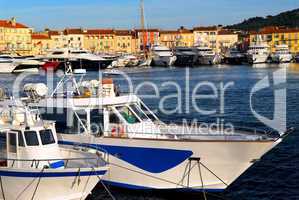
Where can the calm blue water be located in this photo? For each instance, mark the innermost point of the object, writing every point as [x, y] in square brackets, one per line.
[275, 177]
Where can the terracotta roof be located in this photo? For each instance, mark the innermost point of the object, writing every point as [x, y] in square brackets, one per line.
[54, 33]
[147, 30]
[206, 28]
[185, 31]
[10, 24]
[38, 36]
[98, 31]
[123, 32]
[75, 31]
[169, 32]
[273, 29]
[225, 32]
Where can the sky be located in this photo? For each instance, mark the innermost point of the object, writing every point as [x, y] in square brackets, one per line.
[165, 14]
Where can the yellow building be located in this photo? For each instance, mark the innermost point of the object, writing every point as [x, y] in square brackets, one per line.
[215, 37]
[185, 37]
[15, 37]
[274, 36]
[41, 43]
[169, 38]
[125, 41]
[226, 39]
[99, 40]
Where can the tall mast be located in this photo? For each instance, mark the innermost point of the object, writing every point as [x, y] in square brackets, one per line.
[142, 25]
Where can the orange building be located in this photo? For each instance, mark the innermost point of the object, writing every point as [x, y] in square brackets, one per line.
[41, 43]
[147, 38]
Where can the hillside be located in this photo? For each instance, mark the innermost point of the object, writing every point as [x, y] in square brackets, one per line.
[289, 19]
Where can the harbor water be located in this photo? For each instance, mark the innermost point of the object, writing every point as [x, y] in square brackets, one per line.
[275, 177]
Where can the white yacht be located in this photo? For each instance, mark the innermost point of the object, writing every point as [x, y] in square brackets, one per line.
[234, 57]
[258, 53]
[206, 55]
[282, 54]
[162, 56]
[125, 61]
[7, 64]
[27, 64]
[80, 59]
[34, 166]
[144, 152]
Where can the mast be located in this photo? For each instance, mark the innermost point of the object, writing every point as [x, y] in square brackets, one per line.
[142, 26]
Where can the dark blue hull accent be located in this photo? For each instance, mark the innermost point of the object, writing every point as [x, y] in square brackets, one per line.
[153, 160]
[50, 174]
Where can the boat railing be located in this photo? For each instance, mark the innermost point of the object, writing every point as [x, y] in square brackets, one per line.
[53, 163]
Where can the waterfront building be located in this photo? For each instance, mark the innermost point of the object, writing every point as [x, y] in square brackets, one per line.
[41, 43]
[15, 37]
[169, 38]
[59, 40]
[185, 37]
[125, 41]
[226, 39]
[275, 36]
[99, 40]
[215, 37]
[147, 38]
[74, 38]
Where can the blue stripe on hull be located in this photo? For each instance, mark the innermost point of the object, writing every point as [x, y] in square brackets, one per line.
[50, 174]
[153, 160]
[136, 187]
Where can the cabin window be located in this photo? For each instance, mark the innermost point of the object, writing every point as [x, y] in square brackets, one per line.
[47, 137]
[31, 138]
[12, 143]
[128, 115]
[20, 138]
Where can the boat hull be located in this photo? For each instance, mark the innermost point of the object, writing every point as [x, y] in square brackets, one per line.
[255, 59]
[7, 67]
[160, 164]
[282, 58]
[163, 61]
[53, 184]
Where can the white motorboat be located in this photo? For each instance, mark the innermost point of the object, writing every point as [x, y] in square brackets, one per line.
[206, 56]
[282, 54]
[7, 64]
[27, 64]
[146, 153]
[34, 166]
[258, 53]
[162, 56]
[125, 61]
[80, 59]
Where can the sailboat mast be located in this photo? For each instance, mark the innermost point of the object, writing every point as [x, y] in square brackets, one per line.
[142, 26]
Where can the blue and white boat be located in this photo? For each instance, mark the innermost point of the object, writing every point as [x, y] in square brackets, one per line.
[145, 153]
[34, 166]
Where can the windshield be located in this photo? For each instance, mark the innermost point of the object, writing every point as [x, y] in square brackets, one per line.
[47, 137]
[31, 138]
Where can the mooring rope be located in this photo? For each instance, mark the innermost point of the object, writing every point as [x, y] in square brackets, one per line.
[105, 187]
[38, 182]
[3, 195]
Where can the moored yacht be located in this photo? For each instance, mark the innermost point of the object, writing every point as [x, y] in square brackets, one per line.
[206, 55]
[146, 153]
[7, 64]
[27, 64]
[80, 59]
[234, 57]
[34, 166]
[282, 54]
[162, 56]
[258, 53]
[185, 56]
